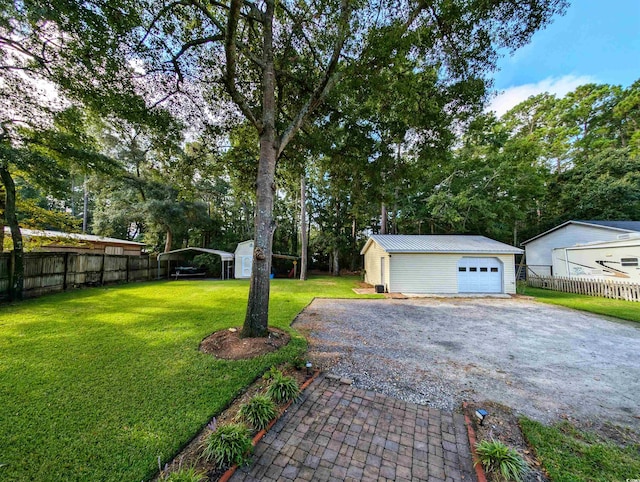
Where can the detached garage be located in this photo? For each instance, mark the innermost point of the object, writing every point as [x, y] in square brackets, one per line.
[439, 264]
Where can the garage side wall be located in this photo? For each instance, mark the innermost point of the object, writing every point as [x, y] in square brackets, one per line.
[438, 273]
[372, 258]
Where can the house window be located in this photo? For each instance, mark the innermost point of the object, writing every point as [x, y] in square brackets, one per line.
[463, 269]
[483, 270]
[629, 261]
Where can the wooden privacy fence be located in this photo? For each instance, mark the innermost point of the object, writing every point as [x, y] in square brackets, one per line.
[617, 290]
[52, 272]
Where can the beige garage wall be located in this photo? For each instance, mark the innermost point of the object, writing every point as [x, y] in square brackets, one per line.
[372, 265]
[438, 273]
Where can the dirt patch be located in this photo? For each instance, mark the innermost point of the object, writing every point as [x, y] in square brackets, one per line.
[191, 454]
[501, 424]
[228, 345]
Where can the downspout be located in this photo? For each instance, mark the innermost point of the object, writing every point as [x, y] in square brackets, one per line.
[566, 262]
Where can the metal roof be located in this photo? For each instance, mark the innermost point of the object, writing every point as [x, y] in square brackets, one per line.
[626, 225]
[45, 233]
[621, 226]
[440, 243]
[224, 255]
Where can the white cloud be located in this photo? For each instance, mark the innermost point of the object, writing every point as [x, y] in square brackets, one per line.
[559, 86]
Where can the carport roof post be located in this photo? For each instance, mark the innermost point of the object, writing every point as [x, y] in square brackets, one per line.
[440, 243]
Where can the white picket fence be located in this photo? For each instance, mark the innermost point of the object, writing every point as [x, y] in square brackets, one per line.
[617, 290]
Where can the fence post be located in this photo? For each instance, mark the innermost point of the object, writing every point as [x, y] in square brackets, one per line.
[12, 269]
[102, 270]
[66, 270]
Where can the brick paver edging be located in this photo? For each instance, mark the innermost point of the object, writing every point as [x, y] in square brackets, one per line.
[472, 442]
[231, 470]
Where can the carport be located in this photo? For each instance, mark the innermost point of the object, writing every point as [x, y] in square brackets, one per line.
[178, 254]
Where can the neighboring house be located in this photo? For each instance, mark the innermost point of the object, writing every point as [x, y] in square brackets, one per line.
[56, 241]
[440, 264]
[539, 249]
[616, 260]
[244, 259]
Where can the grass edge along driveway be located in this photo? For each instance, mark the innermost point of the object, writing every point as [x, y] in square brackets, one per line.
[566, 452]
[99, 383]
[625, 310]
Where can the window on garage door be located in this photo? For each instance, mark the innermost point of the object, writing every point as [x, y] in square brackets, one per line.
[480, 275]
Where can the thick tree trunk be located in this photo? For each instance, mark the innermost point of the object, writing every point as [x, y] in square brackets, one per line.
[85, 206]
[17, 277]
[257, 318]
[303, 229]
[335, 264]
[2, 216]
[169, 241]
[383, 219]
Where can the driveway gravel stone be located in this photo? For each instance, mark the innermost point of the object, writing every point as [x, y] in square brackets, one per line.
[545, 362]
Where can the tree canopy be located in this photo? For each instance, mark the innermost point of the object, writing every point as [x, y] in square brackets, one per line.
[373, 91]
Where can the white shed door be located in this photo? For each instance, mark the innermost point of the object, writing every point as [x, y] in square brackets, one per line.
[246, 265]
[479, 275]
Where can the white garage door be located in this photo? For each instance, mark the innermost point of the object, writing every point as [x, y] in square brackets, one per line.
[479, 275]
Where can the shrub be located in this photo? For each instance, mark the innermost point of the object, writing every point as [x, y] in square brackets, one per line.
[298, 363]
[185, 475]
[229, 445]
[497, 457]
[282, 389]
[271, 373]
[258, 412]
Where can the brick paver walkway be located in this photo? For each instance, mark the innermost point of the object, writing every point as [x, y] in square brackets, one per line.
[337, 432]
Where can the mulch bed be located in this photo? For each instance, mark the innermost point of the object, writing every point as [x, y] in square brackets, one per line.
[501, 424]
[228, 345]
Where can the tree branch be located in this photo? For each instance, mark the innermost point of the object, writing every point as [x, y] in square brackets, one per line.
[329, 79]
[231, 65]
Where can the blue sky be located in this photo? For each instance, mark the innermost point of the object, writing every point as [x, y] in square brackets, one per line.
[595, 41]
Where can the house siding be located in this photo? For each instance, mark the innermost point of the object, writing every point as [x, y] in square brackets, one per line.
[438, 273]
[372, 265]
[539, 252]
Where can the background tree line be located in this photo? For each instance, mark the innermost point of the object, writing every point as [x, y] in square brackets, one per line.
[545, 161]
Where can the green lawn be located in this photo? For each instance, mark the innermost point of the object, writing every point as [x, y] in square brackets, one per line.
[570, 455]
[626, 310]
[99, 383]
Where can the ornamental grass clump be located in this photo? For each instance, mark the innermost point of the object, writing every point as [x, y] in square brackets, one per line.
[258, 411]
[496, 457]
[283, 389]
[229, 445]
[185, 475]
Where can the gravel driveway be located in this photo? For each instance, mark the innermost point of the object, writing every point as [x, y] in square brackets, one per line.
[543, 361]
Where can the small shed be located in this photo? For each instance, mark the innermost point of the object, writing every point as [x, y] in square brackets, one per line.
[439, 264]
[539, 249]
[244, 259]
